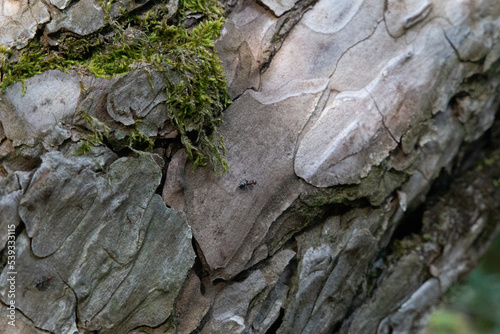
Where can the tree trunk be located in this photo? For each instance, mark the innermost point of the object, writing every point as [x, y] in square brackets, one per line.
[363, 176]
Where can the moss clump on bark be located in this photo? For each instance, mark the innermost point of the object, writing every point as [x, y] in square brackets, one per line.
[99, 132]
[196, 98]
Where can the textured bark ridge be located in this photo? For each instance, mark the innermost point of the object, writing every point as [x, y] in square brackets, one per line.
[369, 127]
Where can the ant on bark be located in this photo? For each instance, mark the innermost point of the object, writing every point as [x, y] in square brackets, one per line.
[247, 184]
[43, 284]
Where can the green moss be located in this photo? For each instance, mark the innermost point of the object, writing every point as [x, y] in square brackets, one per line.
[212, 9]
[105, 4]
[32, 60]
[100, 131]
[196, 97]
[78, 49]
[5, 53]
[200, 97]
[139, 141]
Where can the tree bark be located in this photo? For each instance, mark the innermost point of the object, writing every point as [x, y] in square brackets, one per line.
[364, 166]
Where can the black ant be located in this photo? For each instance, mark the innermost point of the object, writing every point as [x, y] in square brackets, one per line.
[43, 284]
[247, 184]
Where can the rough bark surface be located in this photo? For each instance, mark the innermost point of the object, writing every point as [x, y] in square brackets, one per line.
[369, 127]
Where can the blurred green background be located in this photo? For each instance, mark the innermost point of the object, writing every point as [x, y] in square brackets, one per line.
[473, 305]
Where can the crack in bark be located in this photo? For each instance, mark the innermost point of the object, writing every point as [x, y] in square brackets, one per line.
[383, 118]
[286, 23]
[70, 234]
[74, 294]
[321, 104]
[385, 22]
[311, 120]
[128, 273]
[453, 47]
[245, 90]
[354, 45]
[108, 253]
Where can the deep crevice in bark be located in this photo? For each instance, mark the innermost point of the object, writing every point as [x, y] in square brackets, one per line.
[277, 323]
[410, 224]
